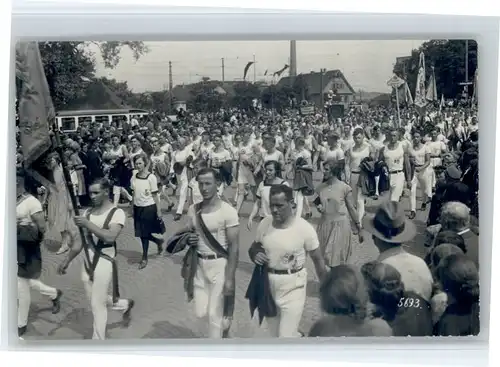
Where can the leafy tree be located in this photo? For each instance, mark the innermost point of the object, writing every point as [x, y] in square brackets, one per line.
[278, 98]
[448, 59]
[245, 93]
[69, 65]
[103, 93]
[300, 88]
[206, 96]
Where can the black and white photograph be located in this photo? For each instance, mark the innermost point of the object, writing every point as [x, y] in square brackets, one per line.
[247, 189]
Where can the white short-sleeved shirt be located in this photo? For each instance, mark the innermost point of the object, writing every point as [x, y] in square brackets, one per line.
[286, 247]
[217, 223]
[144, 188]
[419, 154]
[274, 156]
[166, 148]
[28, 207]
[227, 140]
[262, 193]
[415, 273]
[205, 150]
[336, 154]
[119, 218]
[436, 148]
[218, 158]
[279, 141]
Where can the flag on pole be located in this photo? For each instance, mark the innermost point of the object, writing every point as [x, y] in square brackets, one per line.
[265, 73]
[474, 92]
[441, 104]
[431, 94]
[36, 112]
[279, 72]
[420, 86]
[405, 94]
[245, 71]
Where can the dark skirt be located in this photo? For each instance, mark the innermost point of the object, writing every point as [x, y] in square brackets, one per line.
[146, 221]
[29, 260]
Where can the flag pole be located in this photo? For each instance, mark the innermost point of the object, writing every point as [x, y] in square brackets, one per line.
[67, 180]
[397, 105]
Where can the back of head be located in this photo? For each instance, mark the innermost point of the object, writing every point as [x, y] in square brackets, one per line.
[343, 292]
[442, 251]
[385, 286]
[459, 277]
[450, 237]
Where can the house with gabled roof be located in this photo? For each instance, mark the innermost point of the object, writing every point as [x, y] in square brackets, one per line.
[316, 85]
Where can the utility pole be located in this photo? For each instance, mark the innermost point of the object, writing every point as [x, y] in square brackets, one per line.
[170, 87]
[222, 70]
[466, 61]
[466, 83]
[322, 71]
[254, 70]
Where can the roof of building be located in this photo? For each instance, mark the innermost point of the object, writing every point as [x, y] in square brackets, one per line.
[313, 80]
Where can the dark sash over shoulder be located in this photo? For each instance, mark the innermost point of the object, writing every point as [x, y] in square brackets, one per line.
[215, 246]
[90, 269]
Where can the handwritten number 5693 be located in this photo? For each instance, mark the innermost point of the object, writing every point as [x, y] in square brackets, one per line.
[409, 302]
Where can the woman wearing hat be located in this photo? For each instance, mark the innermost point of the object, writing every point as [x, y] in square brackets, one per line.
[390, 230]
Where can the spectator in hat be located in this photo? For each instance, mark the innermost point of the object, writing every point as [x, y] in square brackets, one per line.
[390, 229]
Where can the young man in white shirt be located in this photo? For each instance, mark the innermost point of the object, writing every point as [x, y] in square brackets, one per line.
[102, 225]
[285, 241]
[215, 275]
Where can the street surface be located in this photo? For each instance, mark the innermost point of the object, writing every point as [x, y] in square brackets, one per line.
[161, 309]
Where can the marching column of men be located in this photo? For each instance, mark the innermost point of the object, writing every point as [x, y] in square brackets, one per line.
[213, 159]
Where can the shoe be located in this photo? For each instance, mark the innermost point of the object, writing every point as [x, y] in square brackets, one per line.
[126, 315]
[143, 264]
[56, 303]
[177, 217]
[170, 207]
[412, 215]
[21, 330]
[424, 206]
[375, 197]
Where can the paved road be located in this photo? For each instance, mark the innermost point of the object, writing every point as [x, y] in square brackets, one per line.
[161, 309]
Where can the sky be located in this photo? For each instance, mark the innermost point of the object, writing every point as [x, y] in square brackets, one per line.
[367, 65]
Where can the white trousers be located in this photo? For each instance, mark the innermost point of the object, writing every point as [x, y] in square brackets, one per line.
[208, 298]
[289, 294]
[299, 202]
[357, 195]
[435, 162]
[397, 185]
[182, 183]
[97, 294]
[422, 179]
[24, 287]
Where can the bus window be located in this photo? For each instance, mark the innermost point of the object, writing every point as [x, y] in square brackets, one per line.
[102, 119]
[118, 120]
[84, 120]
[68, 123]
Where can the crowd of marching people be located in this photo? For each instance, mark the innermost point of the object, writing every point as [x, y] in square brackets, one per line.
[274, 161]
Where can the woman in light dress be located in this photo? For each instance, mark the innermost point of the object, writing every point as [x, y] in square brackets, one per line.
[335, 203]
